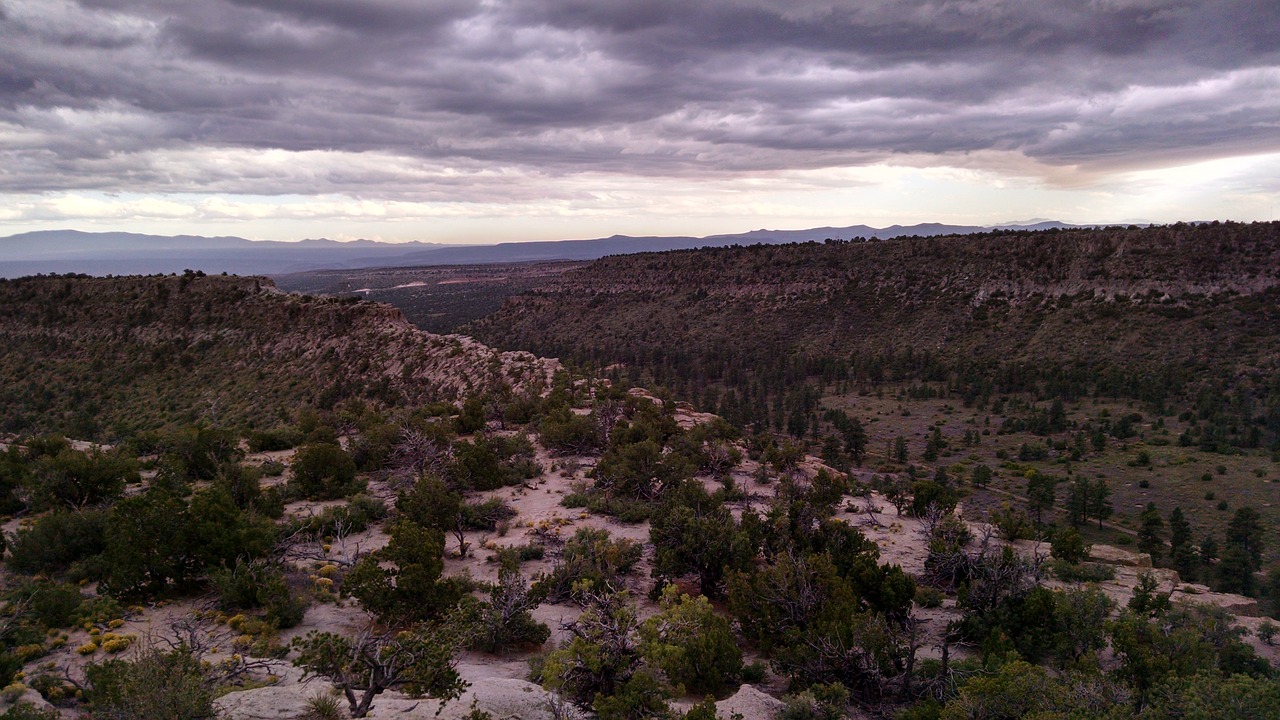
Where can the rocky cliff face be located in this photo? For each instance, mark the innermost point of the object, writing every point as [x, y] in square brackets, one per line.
[228, 347]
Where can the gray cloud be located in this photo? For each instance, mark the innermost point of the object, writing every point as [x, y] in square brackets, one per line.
[104, 93]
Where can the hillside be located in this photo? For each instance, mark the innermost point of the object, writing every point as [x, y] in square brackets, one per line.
[1184, 316]
[332, 540]
[104, 357]
[120, 253]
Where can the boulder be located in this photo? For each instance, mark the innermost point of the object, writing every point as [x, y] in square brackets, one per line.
[1234, 604]
[1115, 556]
[751, 703]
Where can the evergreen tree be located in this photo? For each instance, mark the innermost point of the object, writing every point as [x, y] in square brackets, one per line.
[1100, 500]
[1245, 532]
[981, 476]
[933, 444]
[1208, 551]
[1181, 552]
[1150, 532]
[1040, 494]
[1241, 553]
[855, 440]
[900, 449]
[1078, 502]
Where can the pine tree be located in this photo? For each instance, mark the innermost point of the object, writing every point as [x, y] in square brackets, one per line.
[1078, 502]
[1241, 553]
[1150, 532]
[1208, 550]
[1181, 552]
[1100, 500]
[1040, 494]
[900, 449]
[1246, 532]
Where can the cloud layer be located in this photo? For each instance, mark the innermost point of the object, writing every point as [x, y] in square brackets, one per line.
[493, 101]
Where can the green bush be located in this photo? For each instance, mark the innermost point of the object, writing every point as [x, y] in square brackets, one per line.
[487, 514]
[98, 610]
[275, 439]
[818, 702]
[374, 447]
[1068, 546]
[27, 711]
[402, 582]
[692, 645]
[259, 584]
[76, 479]
[491, 462]
[1082, 572]
[52, 604]
[590, 555]
[621, 509]
[754, 672]
[57, 540]
[353, 517]
[158, 685]
[505, 621]
[563, 431]
[928, 597]
[324, 472]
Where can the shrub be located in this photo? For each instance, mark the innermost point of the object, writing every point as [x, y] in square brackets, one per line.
[622, 509]
[927, 493]
[323, 707]
[753, 672]
[52, 604]
[590, 555]
[98, 610]
[324, 472]
[565, 432]
[353, 517]
[488, 463]
[1267, 631]
[818, 702]
[505, 620]
[600, 667]
[158, 685]
[58, 540]
[76, 479]
[928, 597]
[486, 515]
[401, 582]
[27, 711]
[275, 439]
[113, 644]
[375, 446]
[1068, 546]
[576, 498]
[1082, 572]
[692, 645]
[1012, 523]
[259, 584]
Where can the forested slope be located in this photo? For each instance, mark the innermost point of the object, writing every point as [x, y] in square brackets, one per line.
[104, 357]
[1173, 315]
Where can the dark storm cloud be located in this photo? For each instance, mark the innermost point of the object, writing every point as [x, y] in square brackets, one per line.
[102, 93]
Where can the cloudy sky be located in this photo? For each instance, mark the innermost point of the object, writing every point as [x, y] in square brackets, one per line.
[495, 120]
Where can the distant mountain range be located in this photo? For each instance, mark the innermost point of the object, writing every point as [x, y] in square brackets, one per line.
[119, 253]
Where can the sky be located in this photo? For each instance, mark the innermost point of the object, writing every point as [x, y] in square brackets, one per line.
[469, 121]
